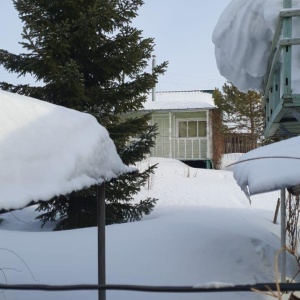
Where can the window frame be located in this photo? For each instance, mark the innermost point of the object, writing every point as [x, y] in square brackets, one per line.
[191, 120]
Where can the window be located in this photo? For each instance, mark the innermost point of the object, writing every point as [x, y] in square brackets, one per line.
[191, 129]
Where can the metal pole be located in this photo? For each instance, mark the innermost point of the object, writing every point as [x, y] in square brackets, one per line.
[287, 33]
[283, 235]
[153, 67]
[276, 211]
[101, 239]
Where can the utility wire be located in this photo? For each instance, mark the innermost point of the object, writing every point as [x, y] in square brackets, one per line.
[283, 287]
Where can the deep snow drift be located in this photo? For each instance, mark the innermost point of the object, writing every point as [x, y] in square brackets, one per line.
[48, 150]
[243, 37]
[202, 230]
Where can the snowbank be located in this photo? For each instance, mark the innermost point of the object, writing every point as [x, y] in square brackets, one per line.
[242, 39]
[202, 232]
[269, 168]
[229, 159]
[48, 150]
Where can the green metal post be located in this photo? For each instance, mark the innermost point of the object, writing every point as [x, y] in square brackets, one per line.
[276, 86]
[208, 164]
[101, 239]
[287, 71]
[287, 52]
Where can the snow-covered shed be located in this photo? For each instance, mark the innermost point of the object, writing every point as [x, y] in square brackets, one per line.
[49, 150]
[184, 125]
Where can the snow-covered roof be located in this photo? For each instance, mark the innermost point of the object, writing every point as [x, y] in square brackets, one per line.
[269, 168]
[242, 39]
[48, 150]
[182, 100]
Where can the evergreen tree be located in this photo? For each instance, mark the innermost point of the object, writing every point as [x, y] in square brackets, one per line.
[241, 112]
[86, 55]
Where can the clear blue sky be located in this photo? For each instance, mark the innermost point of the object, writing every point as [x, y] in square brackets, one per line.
[182, 31]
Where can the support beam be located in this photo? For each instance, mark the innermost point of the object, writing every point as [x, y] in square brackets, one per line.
[287, 52]
[289, 42]
[101, 239]
[289, 13]
[296, 114]
[285, 131]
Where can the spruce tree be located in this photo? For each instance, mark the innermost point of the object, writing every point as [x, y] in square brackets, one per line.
[242, 113]
[86, 55]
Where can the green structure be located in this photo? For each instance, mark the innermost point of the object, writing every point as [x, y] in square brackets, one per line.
[281, 103]
[282, 106]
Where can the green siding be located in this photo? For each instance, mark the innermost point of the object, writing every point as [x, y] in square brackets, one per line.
[190, 115]
[162, 143]
[190, 148]
[179, 148]
[196, 150]
[204, 149]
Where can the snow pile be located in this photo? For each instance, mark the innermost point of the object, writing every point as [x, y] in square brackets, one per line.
[229, 159]
[179, 100]
[202, 233]
[269, 168]
[48, 150]
[242, 39]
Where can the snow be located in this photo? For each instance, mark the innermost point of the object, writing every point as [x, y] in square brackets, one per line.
[266, 170]
[243, 37]
[215, 285]
[48, 150]
[202, 232]
[228, 159]
[179, 100]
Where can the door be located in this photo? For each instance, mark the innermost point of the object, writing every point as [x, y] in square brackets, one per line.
[162, 142]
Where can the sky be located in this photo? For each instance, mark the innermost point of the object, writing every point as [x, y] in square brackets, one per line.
[182, 31]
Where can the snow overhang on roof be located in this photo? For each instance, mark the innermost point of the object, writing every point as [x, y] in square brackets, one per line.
[49, 150]
[243, 38]
[269, 168]
[186, 100]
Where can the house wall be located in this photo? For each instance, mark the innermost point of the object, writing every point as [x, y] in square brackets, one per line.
[168, 142]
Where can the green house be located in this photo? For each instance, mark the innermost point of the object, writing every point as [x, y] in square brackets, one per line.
[184, 126]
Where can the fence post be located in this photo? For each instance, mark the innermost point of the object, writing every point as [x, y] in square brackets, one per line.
[101, 239]
[276, 211]
[283, 236]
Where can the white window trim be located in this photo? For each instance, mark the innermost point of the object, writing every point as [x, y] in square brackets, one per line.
[190, 120]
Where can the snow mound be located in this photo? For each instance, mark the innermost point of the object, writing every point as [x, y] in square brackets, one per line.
[48, 150]
[228, 159]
